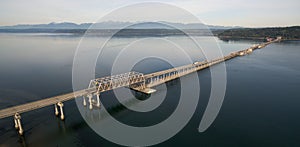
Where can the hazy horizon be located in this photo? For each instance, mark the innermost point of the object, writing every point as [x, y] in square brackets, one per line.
[247, 13]
[111, 21]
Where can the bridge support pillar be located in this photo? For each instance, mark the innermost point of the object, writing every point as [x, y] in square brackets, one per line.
[16, 123]
[98, 99]
[56, 109]
[84, 101]
[90, 96]
[17, 119]
[62, 116]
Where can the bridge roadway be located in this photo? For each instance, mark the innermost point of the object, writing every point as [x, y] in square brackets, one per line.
[41, 103]
[187, 69]
[151, 80]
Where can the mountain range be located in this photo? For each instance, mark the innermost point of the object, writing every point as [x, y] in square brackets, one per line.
[118, 25]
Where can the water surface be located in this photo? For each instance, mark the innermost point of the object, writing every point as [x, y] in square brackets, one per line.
[261, 106]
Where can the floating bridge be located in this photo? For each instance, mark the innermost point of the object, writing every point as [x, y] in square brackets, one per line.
[133, 80]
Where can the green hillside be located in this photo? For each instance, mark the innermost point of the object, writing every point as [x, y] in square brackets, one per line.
[288, 33]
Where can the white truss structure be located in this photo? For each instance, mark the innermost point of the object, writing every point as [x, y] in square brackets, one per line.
[111, 82]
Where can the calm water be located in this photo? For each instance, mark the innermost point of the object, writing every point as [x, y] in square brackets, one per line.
[261, 106]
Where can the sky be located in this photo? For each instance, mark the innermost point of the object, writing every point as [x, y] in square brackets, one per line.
[246, 13]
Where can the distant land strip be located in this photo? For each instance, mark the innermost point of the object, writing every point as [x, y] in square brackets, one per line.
[117, 32]
[288, 33]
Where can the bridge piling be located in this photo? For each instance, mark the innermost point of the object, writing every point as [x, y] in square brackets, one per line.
[90, 96]
[56, 109]
[62, 116]
[98, 99]
[84, 101]
[17, 119]
[16, 123]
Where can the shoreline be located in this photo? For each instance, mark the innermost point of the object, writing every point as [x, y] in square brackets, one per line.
[251, 38]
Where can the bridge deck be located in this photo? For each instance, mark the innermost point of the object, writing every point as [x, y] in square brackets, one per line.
[40, 103]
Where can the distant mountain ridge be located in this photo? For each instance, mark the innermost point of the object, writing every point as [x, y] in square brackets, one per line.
[53, 25]
[118, 25]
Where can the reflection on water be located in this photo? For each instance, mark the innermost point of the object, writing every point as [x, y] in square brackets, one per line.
[96, 114]
[261, 106]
